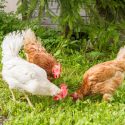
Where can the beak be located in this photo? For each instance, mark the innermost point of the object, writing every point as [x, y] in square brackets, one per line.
[57, 97]
[74, 96]
[56, 76]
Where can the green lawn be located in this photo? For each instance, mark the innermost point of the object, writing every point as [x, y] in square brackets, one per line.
[89, 111]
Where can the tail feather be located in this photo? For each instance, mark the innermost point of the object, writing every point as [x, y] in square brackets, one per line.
[121, 54]
[11, 45]
[29, 37]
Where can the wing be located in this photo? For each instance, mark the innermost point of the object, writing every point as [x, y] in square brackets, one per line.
[45, 61]
[24, 71]
[101, 72]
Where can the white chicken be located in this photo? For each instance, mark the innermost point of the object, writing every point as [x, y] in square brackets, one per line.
[25, 76]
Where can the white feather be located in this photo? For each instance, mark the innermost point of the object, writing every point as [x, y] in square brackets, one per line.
[20, 74]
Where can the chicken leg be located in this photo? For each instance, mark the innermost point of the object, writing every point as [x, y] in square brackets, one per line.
[28, 100]
[13, 96]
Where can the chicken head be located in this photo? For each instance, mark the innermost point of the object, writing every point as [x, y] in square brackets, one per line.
[56, 70]
[63, 93]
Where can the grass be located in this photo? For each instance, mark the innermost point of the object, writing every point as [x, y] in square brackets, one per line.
[89, 111]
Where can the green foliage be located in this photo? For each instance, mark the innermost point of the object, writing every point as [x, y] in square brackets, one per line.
[2, 4]
[70, 15]
[69, 12]
[103, 33]
[27, 8]
[105, 39]
[100, 38]
[10, 22]
[113, 11]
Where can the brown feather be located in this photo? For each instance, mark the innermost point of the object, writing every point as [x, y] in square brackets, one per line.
[37, 54]
[103, 78]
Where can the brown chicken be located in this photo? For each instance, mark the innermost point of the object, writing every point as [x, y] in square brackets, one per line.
[38, 55]
[103, 78]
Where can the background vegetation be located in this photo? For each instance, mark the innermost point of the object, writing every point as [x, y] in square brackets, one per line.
[78, 45]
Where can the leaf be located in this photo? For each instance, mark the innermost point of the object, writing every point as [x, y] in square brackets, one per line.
[57, 53]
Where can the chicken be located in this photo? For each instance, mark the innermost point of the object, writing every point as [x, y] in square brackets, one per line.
[25, 76]
[37, 54]
[103, 78]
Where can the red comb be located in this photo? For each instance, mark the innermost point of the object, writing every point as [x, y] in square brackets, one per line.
[63, 93]
[74, 96]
